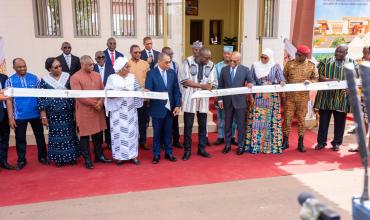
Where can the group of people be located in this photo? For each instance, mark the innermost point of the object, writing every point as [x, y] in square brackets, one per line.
[122, 122]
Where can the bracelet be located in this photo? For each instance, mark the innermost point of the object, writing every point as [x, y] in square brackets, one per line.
[43, 117]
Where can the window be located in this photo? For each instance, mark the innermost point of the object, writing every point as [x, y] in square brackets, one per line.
[47, 18]
[123, 17]
[155, 17]
[196, 31]
[215, 30]
[86, 18]
[270, 12]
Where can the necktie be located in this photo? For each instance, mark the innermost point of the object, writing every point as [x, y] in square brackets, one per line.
[68, 61]
[112, 57]
[163, 73]
[232, 74]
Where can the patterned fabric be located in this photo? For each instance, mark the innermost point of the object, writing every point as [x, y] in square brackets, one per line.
[264, 123]
[336, 100]
[63, 142]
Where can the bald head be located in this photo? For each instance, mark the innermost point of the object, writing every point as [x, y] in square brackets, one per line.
[87, 64]
[235, 59]
[66, 48]
[111, 43]
[204, 56]
[20, 67]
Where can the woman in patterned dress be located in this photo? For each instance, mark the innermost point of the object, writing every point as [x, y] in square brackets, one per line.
[264, 124]
[58, 115]
[123, 113]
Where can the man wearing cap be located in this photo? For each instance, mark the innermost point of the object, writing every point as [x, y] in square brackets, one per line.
[332, 102]
[300, 70]
[220, 112]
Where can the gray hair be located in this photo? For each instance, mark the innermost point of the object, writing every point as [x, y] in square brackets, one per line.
[162, 55]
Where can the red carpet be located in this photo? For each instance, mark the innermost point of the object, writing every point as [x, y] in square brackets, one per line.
[38, 183]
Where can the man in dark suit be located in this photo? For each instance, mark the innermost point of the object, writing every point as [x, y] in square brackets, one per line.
[70, 63]
[4, 128]
[233, 76]
[111, 54]
[163, 79]
[105, 71]
[148, 54]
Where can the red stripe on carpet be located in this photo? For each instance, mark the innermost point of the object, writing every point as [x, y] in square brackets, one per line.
[38, 183]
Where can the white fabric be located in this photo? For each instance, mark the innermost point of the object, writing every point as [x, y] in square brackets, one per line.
[57, 84]
[101, 71]
[119, 63]
[149, 53]
[123, 117]
[262, 69]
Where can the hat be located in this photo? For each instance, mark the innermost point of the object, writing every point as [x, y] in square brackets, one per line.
[119, 63]
[303, 49]
[229, 49]
[197, 44]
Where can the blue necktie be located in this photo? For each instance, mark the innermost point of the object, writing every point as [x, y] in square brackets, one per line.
[232, 74]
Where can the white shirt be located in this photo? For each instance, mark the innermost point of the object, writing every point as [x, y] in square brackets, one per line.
[151, 51]
[101, 71]
[110, 54]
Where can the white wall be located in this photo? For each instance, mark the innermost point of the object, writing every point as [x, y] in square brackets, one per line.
[17, 29]
[250, 44]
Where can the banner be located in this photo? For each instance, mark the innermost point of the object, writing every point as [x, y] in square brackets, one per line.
[340, 22]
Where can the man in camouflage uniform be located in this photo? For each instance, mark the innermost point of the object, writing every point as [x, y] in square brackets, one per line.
[300, 70]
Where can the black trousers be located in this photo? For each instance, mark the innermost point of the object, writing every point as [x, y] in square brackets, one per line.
[239, 114]
[4, 138]
[20, 138]
[107, 137]
[143, 119]
[188, 128]
[339, 126]
[85, 146]
[175, 130]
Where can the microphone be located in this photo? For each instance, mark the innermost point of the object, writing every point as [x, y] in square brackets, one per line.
[312, 209]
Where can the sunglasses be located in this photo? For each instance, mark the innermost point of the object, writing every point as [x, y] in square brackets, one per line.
[234, 61]
[100, 57]
[263, 58]
[67, 47]
[57, 66]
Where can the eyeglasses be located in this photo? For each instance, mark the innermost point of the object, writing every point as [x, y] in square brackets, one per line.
[263, 58]
[57, 66]
[67, 47]
[100, 57]
[234, 61]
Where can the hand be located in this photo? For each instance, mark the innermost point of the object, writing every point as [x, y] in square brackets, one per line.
[207, 86]
[149, 60]
[282, 83]
[249, 85]
[176, 111]
[146, 90]
[12, 123]
[45, 122]
[251, 101]
[307, 82]
[221, 104]
[2, 96]
[99, 106]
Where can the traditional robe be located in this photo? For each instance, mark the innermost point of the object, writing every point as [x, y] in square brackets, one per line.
[123, 117]
[89, 120]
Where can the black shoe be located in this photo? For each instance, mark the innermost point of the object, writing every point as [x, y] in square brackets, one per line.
[336, 147]
[109, 147]
[301, 147]
[353, 150]
[319, 146]
[135, 161]
[285, 143]
[20, 165]
[44, 161]
[170, 157]
[240, 151]
[186, 155]
[155, 160]
[73, 162]
[178, 145]
[219, 141]
[233, 141]
[226, 149]
[352, 131]
[58, 164]
[102, 159]
[120, 162]
[203, 153]
[142, 146]
[7, 166]
[89, 165]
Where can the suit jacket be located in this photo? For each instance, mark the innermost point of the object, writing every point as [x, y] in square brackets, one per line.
[75, 64]
[144, 56]
[242, 75]
[108, 70]
[108, 61]
[3, 78]
[154, 82]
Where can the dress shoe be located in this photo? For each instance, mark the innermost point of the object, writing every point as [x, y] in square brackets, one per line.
[44, 161]
[226, 149]
[319, 146]
[73, 162]
[135, 161]
[7, 166]
[178, 145]
[142, 146]
[89, 165]
[170, 157]
[186, 155]
[102, 159]
[120, 162]
[219, 141]
[155, 160]
[58, 164]
[20, 165]
[240, 151]
[336, 147]
[353, 150]
[301, 147]
[233, 141]
[285, 143]
[352, 131]
[204, 153]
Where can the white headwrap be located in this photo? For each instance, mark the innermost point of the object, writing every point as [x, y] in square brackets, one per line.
[119, 63]
[262, 69]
